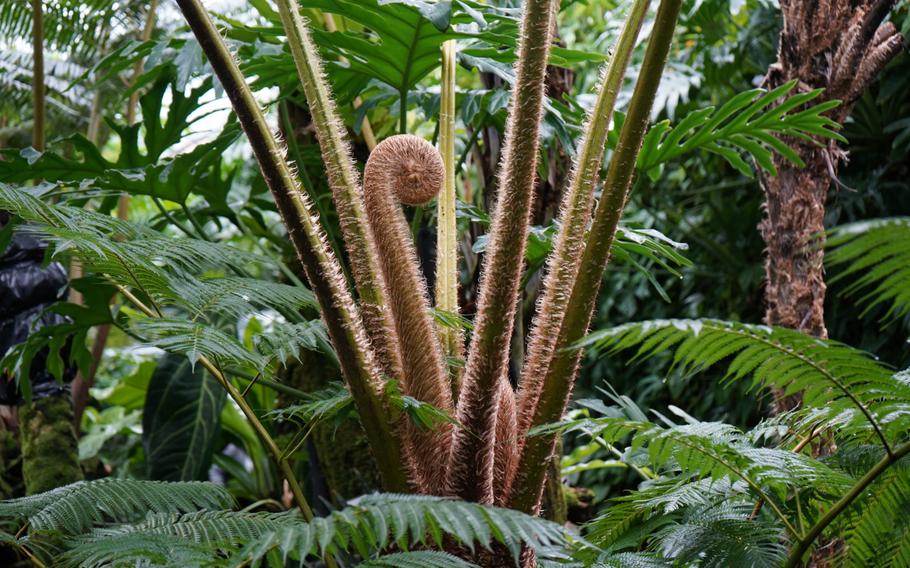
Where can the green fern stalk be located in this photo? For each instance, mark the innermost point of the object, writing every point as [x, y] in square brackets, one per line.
[471, 468]
[446, 226]
[560, 375]
[803, 544]
[346, 190]
[563, 265]
[408, 169]
[322, 269]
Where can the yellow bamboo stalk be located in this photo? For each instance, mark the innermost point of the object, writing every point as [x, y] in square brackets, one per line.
[447, 228]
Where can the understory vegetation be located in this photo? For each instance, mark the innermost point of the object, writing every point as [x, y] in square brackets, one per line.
[420, 283]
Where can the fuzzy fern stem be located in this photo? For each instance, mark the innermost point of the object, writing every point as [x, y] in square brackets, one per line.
[471, 469]
[408, 169]
[346, 190]
[803, 544]
[447, 227]
[560, 374]
[342, 320]
[563, 265]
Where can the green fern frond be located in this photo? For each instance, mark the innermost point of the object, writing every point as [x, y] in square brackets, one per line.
[721, 537]
[720, 451]
[375, 522]
[417, 559]
[836, 379]
[74, 508]
[875, 257]
[326, 404]
[878, 530]
[284, 341]
[141, 549]
[749, 123]
[632, 560]
[673, 494]
[234, 296]
[368, 526]
[195, 341]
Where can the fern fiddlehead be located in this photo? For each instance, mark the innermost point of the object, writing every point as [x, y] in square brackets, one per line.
[407, 169]
[343, 323]
[346, 189]
[471, 470]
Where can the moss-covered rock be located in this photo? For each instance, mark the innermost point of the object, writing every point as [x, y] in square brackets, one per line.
[50, 454]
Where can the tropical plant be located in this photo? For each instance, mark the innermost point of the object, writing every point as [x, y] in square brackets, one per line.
[440, 418]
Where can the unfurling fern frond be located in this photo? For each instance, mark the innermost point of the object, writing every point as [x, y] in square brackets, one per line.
[749, 123]
[838, 382]
[874, 256]
[74, 508]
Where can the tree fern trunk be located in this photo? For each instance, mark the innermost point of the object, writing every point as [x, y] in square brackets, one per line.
[839, 46]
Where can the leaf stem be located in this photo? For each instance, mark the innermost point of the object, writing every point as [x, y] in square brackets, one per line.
[447, 223]
[346, 190]
[796, 554]
[471, 468]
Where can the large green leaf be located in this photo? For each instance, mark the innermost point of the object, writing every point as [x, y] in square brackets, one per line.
[139, 169]
[182, 417]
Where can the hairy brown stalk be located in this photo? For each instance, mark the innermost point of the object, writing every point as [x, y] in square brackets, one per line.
[407, 169]
[560, 375]
[471, 469]
[322, 269]
[346, 190]
[575, 216]
[505, 453]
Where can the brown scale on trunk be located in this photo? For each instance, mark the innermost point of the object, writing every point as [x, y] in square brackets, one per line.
[838, 45]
